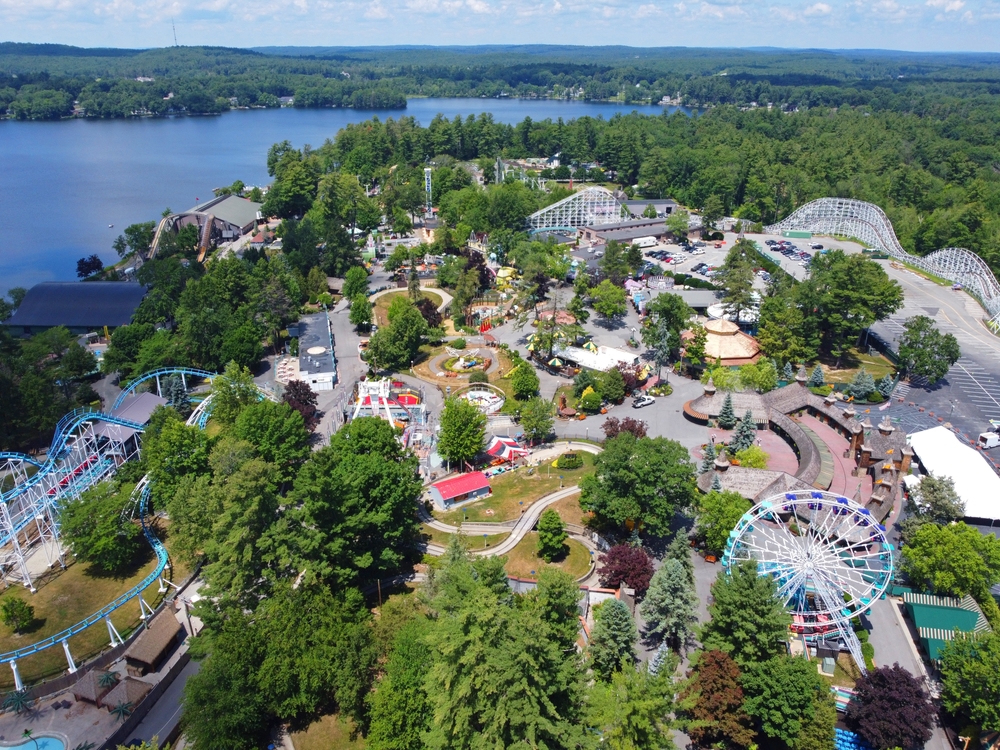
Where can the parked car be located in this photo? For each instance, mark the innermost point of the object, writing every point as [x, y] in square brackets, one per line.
[699, 267]
[770, 243]
[643, 400]
[697, 251]
[816, 246]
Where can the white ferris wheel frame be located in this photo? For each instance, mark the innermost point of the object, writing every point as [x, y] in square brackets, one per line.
[836, 547]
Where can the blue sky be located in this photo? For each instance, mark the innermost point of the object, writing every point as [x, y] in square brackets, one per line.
[920, 25]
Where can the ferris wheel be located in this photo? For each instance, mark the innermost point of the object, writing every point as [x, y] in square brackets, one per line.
[828, 556]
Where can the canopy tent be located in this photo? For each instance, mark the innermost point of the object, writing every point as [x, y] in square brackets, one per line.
[556, 362]
[505, 448]
[944, 455]
[590, 346]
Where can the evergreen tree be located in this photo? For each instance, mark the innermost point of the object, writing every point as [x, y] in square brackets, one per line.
[680, 550]
[817, 379]
[744, 435]
[788, 373]
[727, 417]
[748, 621]
[177, 396]
[632, 711]
[612, 641]
[861, 384]
[707, 460]
[885, 386]
[669, 606]
[716, 484]
[399, 706]
[551, 536]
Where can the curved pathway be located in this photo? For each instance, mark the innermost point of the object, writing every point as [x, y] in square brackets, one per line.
[445, 297]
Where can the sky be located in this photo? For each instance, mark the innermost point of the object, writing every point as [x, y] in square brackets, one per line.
[916, 25]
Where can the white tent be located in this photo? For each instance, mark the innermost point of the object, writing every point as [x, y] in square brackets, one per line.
[944, 455]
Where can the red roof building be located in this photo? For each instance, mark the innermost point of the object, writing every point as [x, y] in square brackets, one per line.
[458, 489]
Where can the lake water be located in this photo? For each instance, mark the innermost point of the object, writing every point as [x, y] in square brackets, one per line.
[63, 183]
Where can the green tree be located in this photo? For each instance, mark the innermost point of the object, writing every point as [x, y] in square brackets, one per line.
[669, 605]
[953, 560]
[780, 332]
[631, 711]
[551, 536]
[885, 386]
[612, 639]
[761, 377]
[96, 531]
[396, 345]
[817, 379]
[861, 385]
[924, 351]
[748, 621]
[536, 419]
[649, 212]
[711, 704]
[123, 349]
[781, 695]
[711, 211]
[613, 265]
[727, 417]
[744, 435]
[399, 705]
[753, 457]
[357, 502]
[16, 613]
[173, 452]
[677, 223]
[932, 501]
[556, 599]
[736, 277]
[524, 381]
[818, 732]
[463, 429]
[361, 312]
[612, 385]
[643, 480]
[278, 434]
[718, 514]
[232, 391]
[355, 283]
[707, 458]
[608, 300]
[970, 678]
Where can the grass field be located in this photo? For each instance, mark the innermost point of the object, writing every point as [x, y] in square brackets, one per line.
[524, 562]
[569, 510]
[327, 733]
[442, 538]
[877, 366]
[381, 307]
[518, 487]
[65, 597]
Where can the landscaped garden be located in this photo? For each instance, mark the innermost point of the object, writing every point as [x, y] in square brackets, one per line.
[523, 561]
[515, 491]
[380, 309]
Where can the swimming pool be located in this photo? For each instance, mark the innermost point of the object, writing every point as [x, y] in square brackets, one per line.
[37, 743]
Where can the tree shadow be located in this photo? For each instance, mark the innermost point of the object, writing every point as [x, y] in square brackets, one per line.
[143, 554]
[36, 624]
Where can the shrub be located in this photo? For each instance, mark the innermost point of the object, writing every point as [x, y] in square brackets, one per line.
[16, 613]
[479, 377]
[823, 390]
[590, 401]
[458, 344]
[568, 461]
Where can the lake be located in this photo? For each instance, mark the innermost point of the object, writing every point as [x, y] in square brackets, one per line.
[63, 183]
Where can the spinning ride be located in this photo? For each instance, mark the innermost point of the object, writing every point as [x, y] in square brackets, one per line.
[828, 556]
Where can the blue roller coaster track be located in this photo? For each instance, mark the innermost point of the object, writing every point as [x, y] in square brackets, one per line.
[49, 471]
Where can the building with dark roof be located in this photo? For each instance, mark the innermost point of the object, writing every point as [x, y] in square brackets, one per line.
[317, 365]
[79, 306]
[625, 231]
[155, 643]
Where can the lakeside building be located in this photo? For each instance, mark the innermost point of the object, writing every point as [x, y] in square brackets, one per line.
[79, 306]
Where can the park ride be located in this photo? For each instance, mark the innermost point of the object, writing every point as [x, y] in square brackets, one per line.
[88, 447]
[488, 398]
[391, 400]
[869, 224]
[828, 556]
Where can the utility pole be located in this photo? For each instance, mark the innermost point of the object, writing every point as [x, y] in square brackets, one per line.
[174, 27]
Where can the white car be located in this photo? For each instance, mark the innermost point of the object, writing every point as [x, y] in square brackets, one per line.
[697, 251]
[641, 401]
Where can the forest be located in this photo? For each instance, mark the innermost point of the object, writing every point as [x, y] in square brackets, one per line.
[42, 81]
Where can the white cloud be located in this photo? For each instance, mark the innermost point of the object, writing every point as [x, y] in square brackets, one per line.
[818, 9]
[376, 12]
[949, 6]
[649, 9]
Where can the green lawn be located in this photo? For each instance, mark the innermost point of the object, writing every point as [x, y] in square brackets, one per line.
[65, 597]
[877, 365]
[442, 538]
[524, 562]
[516, 487]
[569, 510]
[381, 307]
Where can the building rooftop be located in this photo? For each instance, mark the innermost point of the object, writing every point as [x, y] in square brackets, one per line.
[79, 304]
[231, 209]
[129, 690]
[463, 484]
[629, 224]
[150, 647]
[315, 345]
[944, 455]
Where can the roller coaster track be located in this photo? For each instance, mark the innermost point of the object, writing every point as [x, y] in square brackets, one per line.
[868, 223]
[183, 372]
[48, 471]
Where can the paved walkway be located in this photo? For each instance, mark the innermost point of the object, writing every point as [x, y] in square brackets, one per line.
[843, 483]
[445, 297]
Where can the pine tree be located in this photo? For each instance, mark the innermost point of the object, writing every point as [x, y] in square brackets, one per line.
[177, 396]
[817, 379]
[708, 460]
[727, 417]
[669, 606]
[861, 384]
[788, 373]
[716, 484]
[744, 435]
[680, 550]
[748, 621]
[885, 386]
[613, 638]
